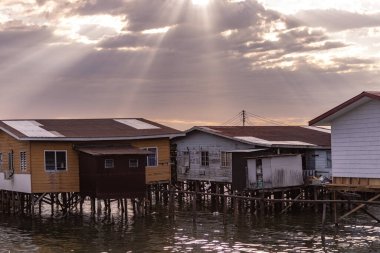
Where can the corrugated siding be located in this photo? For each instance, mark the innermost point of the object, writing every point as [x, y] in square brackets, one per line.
[194, 143]
[322, 167]
[356, 142]
[277, 172]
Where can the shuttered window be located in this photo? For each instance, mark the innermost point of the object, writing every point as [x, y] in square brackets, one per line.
[23, 161]
[225, 159]
[109, 163]
[205, 159]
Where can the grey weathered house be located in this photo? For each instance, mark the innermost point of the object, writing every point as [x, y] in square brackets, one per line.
[215, 153]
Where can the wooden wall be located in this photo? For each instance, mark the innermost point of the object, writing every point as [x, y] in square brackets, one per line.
[21, 180]
[281, 171]
[68, 181]
[57, 181]
[317, 160]
[194, 143]
[121, 181]
[355, 140]
[359, 182]
[7, 144]
[161, 172]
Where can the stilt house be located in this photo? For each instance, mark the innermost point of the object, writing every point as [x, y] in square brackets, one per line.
[99, 157]
[355, 141]
[220, 153]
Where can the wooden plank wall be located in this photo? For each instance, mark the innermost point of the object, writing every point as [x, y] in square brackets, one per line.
[59, 181]
[162, 172]
[354, 181]
[7, 144]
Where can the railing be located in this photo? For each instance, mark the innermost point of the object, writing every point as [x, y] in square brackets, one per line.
[308, 173]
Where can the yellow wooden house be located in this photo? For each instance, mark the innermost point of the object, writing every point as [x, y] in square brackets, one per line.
[42, 156]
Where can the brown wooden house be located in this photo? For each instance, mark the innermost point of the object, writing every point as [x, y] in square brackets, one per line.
[103, 157]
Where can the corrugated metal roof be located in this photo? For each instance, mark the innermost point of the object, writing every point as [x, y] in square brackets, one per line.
[112, 150]
[85, 129]
[272, 136]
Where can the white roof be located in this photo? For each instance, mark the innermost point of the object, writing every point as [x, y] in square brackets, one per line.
[31, 128]
[259, 141]
[137, 124]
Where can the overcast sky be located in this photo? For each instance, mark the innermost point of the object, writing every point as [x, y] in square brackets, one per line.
[185, 62]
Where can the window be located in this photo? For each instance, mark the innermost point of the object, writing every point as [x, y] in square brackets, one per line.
[225, 159]
[55, 160]
[204, 158]
[133, 163]
[151, 160]
[109, 163]
[186, 158]
[328, 159]
[23, 161]
[10, 161]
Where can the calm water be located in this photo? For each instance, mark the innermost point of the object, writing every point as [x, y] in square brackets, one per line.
[294, 232]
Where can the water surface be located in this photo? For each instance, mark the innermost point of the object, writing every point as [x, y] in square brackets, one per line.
[293, 232]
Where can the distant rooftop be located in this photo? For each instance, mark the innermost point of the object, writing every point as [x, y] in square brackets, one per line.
[272, 136]
[86, 129]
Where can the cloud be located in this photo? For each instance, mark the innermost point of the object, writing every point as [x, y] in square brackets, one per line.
[94, 58]
[338, 20]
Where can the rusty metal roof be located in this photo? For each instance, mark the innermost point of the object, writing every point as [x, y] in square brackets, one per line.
[325, 118]
[113, 150]
[272, 136]
[86, 129]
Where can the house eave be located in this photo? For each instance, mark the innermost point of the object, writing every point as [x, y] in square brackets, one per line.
[65, 139]
[326, 118]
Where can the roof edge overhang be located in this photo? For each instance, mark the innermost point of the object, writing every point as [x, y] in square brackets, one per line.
[326, 118]
[301, 146]
[63, 139]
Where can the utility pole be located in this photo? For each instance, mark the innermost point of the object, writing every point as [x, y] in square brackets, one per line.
[243, 117]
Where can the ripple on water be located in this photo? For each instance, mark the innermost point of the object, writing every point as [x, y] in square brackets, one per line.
[290, 233]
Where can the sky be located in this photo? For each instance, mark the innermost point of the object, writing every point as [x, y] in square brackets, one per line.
[186, 62]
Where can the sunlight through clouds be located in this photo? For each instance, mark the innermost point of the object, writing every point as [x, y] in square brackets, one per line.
[294, 6]
[209, 58]
[200, 2]
[89, 29]
[157, 30]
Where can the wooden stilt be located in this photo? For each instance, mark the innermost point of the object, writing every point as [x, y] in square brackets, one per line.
[225, 210]
[32, 204]
[194, 198]
[298, 196]
[324, 216]
[315, 191]
[334, 209]
[359, 207]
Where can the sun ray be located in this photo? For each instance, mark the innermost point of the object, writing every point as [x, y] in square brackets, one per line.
[200, 2]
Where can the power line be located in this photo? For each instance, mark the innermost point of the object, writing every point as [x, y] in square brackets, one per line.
[243, 118]
[266, 119]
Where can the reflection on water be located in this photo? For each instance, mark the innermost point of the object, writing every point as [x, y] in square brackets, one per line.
[293, 232]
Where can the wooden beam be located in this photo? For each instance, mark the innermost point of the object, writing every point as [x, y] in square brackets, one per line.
[359, 207]
[290, 205]
[370, 214]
